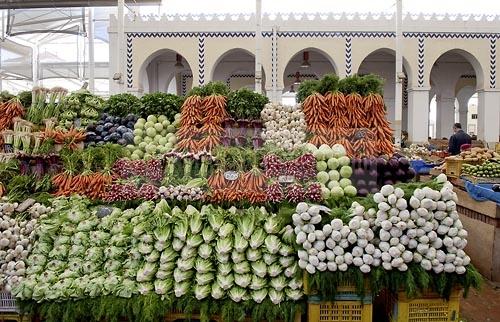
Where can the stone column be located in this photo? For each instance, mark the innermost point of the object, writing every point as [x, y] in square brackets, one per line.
[488, 115]
[445, 116]
[418, 114]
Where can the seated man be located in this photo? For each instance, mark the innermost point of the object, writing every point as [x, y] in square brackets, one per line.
[458, 139]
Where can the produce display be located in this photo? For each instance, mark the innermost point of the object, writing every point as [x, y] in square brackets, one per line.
[17, 234]
[417, 229]
[370, 174]
[489, 169]
[284, 126]
[211, 253]
[123, 104]
[476, 155]
[79, 109]
[152, 136]
[218, 205]
[352, 118]
[112, 129]
[40, 109]
[334, 171]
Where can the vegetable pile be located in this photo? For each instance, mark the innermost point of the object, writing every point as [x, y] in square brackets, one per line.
[476, 155]
[334, 171]
[284, 126]
[79, 109]
[355, 119]
[372, 173]
[239, 255]
[16, 239]
[419, 226]
[114, 129]
[489, 169]
[40, 109]
[153, 136]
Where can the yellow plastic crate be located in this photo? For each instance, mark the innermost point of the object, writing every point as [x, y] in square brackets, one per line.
[427, 308]
[339, 311]
[13, 317]
[454, 167]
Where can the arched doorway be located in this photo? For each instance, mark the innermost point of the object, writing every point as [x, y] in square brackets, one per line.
[309, 63]
[236, 68]
[382, 62]
[454, 78]
[166, 71]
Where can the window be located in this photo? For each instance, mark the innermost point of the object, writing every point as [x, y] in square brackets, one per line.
[474, 116]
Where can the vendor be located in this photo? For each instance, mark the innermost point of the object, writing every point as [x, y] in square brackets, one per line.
[458, 139]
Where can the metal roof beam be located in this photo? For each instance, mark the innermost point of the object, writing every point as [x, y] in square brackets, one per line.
[24, 4]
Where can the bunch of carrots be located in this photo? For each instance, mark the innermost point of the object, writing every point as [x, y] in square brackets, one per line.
[334, 117]
[201, 123]
[92, 185]
[250, 186]
[9, 111]
[71, 138]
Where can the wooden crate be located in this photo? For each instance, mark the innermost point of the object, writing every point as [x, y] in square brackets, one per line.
[429, 307]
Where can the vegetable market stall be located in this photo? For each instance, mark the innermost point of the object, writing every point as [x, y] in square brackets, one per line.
[199, 207]
[482, 221]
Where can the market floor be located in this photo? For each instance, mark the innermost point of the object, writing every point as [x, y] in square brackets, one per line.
[483, 305]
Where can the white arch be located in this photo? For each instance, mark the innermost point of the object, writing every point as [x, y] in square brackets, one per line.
[406, 65]
[470, 58]
[142, 70]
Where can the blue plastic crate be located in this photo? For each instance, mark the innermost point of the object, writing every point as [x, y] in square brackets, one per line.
[421, 167]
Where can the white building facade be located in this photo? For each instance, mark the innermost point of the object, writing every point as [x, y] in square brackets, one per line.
[449, 58]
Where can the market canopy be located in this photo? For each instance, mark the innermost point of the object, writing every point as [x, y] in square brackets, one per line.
[16, 4]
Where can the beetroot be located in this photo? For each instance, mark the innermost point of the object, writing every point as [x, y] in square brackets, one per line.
[313, 192]
[295, 193]
[275, 192]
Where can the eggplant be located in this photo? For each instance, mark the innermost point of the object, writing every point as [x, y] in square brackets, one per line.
[381, 164]
[113, 129]
[363, 192]
[122, 141]
[359, 173]
[104, 133]
[366, 164]
[372, 184]
[130, 125]
[410, 174]
[107, 138]
[114, 137]
[400, 174]
[373, 174]
[108, 125]
[394, 164]
[98, 138]
[374, 190]
[99, 129]
[388, 181]
[121, 129]
[361, 184]
[128, 137]
[404, 163]
[118, 120]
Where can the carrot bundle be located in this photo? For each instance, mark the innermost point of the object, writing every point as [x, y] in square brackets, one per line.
[70, 137]
[9, 111]
[248, 186]
[201, 123]
[92, 185]
[338, 118]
